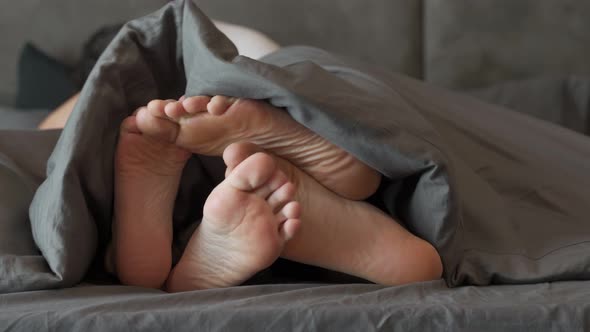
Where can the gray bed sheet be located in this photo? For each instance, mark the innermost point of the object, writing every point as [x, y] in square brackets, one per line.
[469, 177]
[461, 173]
[429, 306]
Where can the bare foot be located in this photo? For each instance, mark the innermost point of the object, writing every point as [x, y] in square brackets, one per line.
[147, 175]
[207, 126]
[349, 236]
[247, 220]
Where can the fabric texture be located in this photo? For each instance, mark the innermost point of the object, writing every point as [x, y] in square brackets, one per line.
[23, 158]
[92, 50]
[469, 177]
[424, 307]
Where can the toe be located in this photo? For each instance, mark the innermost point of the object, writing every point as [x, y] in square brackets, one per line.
[291, 210]
[158, 127]
[280, 197]
[235, 153]
[276, 181]
[253, 173]
[129, 125]
[156, 107]
[138, 109]
[219, 104]
[289, 228]
[175, 110]
[195, 104]
[289, 222]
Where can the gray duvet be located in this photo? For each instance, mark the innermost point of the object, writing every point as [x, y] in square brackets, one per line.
[502, 196]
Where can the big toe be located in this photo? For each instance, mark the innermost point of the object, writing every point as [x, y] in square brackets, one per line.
[129, 125]
[253, 173]
[219, 104]
[195, 104]
[153, 122]
[236, 153]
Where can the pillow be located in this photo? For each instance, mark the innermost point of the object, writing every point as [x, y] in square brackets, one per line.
[43, 82]
[59, 28]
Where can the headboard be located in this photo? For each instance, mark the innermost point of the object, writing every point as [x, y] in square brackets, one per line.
[458, 43]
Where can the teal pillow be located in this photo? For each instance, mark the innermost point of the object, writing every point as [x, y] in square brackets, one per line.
[43, 82]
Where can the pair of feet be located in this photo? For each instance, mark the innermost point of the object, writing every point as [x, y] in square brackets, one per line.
[271, 185]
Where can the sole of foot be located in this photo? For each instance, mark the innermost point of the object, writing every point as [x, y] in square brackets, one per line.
[206, 125]
[247, 220]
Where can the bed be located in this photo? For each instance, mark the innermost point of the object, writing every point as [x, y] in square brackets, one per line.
[539, 289]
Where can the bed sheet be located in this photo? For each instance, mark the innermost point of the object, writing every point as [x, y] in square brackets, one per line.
[429, 306]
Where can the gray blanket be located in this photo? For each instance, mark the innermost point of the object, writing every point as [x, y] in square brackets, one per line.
[503, 197]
